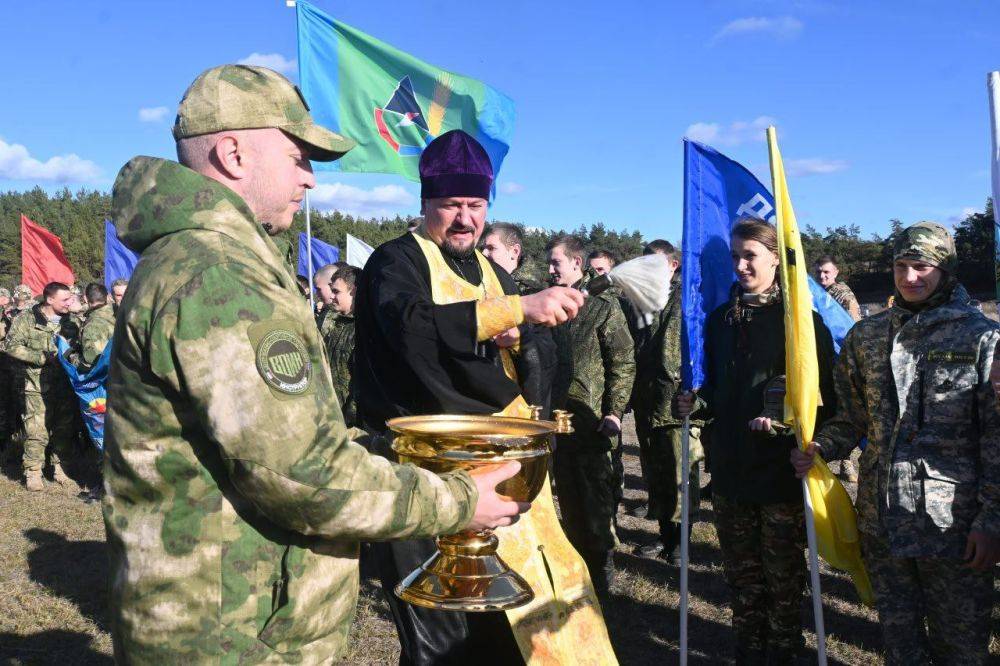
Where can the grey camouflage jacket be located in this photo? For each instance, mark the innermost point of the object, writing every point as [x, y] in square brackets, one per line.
[917, 386]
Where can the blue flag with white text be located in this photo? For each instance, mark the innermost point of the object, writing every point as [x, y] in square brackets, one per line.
[119, 261]
[322, 254]
[717, 192]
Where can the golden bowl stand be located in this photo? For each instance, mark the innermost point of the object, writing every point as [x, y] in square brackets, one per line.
[466, 574]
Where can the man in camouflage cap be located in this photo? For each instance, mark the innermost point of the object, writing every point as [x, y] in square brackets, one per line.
[914, 380]
[11, 374]
[235, 494]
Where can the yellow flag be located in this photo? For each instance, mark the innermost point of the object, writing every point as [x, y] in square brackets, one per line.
[836, 523]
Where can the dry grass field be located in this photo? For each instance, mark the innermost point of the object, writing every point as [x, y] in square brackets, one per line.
[53, 576]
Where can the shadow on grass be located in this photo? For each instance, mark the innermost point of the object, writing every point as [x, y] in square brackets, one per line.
[55, 646]
[73, 570]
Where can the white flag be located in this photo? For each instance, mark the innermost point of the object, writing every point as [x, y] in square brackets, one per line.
[358, 251]
[993, 85]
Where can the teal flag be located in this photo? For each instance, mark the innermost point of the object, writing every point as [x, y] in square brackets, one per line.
[391, 103]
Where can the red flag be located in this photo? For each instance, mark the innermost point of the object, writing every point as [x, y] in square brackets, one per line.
[42, 257]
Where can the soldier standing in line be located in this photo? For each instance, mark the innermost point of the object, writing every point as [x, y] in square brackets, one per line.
[594, 375]
[98, 327]
[340, 340]
[503, 243]
[657, 381]
[48, 398]
[915, 380]
[6, 380]
[12, 376]
[236, 497]
[326, 315]
[118, 288]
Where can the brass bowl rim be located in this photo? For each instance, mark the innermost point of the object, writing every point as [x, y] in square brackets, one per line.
[471, 425]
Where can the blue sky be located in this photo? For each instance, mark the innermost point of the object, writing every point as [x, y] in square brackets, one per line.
[881, 108]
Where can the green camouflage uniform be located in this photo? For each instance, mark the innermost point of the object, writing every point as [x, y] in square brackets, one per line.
[526, 278]
[48, 412]
[11, 376]
[594, 374]
[96, 332]
[657, 381]
[841, 293]
[236, 498]
[340, 351]
[915, 381]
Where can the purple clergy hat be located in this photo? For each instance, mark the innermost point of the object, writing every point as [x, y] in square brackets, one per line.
[455, 165]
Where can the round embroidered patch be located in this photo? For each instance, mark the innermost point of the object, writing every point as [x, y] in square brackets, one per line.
[283, 362]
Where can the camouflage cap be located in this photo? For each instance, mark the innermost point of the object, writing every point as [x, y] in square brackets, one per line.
[928, 242]
[233, 97]
[4, 293]
[22, 292]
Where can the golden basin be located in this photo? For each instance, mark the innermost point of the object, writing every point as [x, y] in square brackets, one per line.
[466, 574]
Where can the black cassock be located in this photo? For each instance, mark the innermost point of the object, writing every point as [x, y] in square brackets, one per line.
[415, 357]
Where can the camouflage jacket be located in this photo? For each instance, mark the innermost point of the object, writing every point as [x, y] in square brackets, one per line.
[236, 498]
[595, 363]
[96, 332]
[841, 293]
[340, 351]
[31, 340]
[526, 280]
[917, 386]
[325, 319]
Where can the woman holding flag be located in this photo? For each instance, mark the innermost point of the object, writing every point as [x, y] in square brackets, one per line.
[757, 498]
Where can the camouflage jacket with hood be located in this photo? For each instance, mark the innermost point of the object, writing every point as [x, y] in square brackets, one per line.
[236, 498]
[96, 332]
[595, 363]
[917, 386]
[31, 340]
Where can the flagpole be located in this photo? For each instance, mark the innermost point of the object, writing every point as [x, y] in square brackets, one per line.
[685, 522]
[993, 88]
[309, 252]
[814, 575]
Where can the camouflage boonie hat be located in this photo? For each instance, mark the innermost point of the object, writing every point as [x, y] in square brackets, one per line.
[233, 97]
[928, 242]
[22, 292]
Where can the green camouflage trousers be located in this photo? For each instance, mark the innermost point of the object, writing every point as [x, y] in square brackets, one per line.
[956, 603]
[762, 554]
[587, 488]
[660, 458]
[48, 420]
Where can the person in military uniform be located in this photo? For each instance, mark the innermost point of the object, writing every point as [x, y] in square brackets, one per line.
[236, 497]
[48, 414]
[340, 340]
[757, 500]
[118, 289]
[98, 327]
[327, 315]
[657, 381]
[11, 376]
[915, 380]
[503, 244]
[826, 272]
[6, 379]
[594, 375]
[601, 261]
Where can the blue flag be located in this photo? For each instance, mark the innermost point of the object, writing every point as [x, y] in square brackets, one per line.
[322, 253]
[91, 388]
[717, 192]
[119, 261]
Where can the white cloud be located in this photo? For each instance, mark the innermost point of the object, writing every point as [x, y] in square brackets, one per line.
[780, 27]
[17, 164]
[960, 217]
[153, 114]
[510, 187]
[382, 201]
[275, 61]
[736, 133]
[812, 166]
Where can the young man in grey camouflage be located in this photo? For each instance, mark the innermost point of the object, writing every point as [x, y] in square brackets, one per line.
[49, 403]
[594, 374]
[914, 380]
[235, 494]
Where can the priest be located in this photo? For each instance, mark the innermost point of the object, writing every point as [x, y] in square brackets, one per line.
[440, 330]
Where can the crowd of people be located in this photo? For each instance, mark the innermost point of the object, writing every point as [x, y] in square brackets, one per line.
[248, 455]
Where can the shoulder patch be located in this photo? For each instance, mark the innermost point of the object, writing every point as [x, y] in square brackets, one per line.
[282, 359]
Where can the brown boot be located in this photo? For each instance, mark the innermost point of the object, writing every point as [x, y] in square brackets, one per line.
[59, 476]
[33, 480]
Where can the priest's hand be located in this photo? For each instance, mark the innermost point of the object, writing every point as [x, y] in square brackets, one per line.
[508, 338]
[552, 306]
[493, 510]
